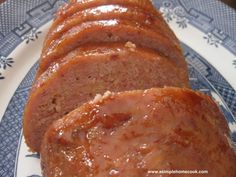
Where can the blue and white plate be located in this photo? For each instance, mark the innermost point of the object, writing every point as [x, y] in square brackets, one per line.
[206, 28]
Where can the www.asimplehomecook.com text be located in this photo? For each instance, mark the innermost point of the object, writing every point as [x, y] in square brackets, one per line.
[178, 172]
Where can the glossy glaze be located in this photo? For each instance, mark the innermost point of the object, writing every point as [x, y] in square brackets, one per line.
[107, 12]
[142, 12]
[111, 31]
[74, 6]
[68, 75]
[136, 133]
[81, 75]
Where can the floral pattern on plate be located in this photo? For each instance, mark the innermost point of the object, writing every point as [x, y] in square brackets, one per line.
[25, 28]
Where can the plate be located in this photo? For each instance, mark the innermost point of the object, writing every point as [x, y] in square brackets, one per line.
[206, 29]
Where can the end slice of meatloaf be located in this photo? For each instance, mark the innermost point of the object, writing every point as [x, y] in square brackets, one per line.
[108, 12]
[90, 70]
[111, 31]
[140, 133]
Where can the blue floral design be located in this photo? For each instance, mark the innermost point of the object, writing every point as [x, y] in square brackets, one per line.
[234, 63]
[212, 40]
[5, 62]
[177, 15]
[32, 35]
[33, 155]
[167, 15]
[36, 155]
[1, 77]
[167, 4]
[182, 23]
[179, 12]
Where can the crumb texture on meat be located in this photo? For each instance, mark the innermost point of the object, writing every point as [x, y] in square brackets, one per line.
[80, 76]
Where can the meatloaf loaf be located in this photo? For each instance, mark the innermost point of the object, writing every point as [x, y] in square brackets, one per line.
[138, 134]
[89, 70]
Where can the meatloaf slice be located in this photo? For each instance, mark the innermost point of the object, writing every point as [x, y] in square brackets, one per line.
[138, 134]
[78, 5]
[107, 12]
[111, 31]
[91, 70]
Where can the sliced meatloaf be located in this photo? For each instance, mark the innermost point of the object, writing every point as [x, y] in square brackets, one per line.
[111, 31]
[138, 134]
[78, 5]
[107, 12]
[89, 70]
[77, 12]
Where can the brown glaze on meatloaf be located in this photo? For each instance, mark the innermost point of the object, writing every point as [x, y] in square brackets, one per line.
[77, 12]
[90, 70]
[138, 133]
[111, 31]
[78, 5]
[107, 12]
[75, 6]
